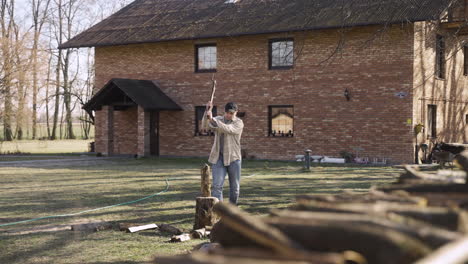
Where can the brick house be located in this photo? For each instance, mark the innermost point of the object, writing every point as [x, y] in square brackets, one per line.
[327, 75]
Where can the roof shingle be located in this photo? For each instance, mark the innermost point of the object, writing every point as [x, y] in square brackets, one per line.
[145, 21]
[144, 93]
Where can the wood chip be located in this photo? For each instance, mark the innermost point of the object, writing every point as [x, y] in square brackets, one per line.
[180, 238]
[142, 228]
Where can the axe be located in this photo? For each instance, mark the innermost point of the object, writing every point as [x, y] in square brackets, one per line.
[212, 92]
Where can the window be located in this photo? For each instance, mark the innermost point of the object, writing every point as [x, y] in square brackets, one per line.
[205, 58]
[465, 60]
[199, 112]
[431, 121]
[281, 121]
[281, 54]
[440, 57]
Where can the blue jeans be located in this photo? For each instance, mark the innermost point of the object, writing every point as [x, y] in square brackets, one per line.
[219, 172]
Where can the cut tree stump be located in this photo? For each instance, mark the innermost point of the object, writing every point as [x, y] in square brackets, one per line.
[204, 214]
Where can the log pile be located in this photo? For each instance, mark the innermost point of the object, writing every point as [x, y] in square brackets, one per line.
[422, 218]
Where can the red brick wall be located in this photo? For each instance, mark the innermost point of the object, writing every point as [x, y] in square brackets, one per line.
[125, 131]
[449, 94]
[375, 119]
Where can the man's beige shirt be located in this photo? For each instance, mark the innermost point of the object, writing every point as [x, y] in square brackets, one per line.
[232, 134]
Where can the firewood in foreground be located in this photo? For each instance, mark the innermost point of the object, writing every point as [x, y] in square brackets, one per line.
[439, 216]
[453, 253]
[242, 257]
[239, 229]
[431, 235]
[462, 161]
[257, 231]
[374, 243]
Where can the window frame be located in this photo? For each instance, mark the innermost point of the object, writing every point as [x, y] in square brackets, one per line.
[270, 54]
[197, 128]
[197, 46]
[465, 59]
[270, 108]
[431, 121]
[440, 63]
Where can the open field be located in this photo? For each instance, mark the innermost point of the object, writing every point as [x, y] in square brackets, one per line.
[41, 188]
[43, 146]
[42, 131]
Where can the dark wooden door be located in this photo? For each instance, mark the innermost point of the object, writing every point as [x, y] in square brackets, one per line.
[154, 133]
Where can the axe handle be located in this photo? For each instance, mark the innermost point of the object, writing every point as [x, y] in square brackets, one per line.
[213, 90]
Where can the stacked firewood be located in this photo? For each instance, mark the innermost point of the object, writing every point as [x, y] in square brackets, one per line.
[422, 218]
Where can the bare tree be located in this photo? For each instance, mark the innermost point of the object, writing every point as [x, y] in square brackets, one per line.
[6, 26]
[39, 9]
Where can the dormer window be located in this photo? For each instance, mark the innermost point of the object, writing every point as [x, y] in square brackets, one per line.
[205, 58]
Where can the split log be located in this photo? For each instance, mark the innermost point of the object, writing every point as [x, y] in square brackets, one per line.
[427, 188]
[142, 228]
[371, 197]
[438, 216]
[262, 254]
[170, 229]
[126, 226]
[462, 160]
[431, 235]
[450, 176]
[205, 181]
[204, 215]
[387, 247]
[239, 229]
[446, 195]
[180, 238]
[204, 258]
[207, 247]
[200, 233]
[92, 227]
[453, 253]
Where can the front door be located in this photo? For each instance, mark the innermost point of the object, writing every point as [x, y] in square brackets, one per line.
[154, 133]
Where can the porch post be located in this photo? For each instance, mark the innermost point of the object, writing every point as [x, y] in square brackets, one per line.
[143, 132]
[105, 130]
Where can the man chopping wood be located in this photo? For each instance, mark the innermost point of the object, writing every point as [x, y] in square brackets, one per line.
[225, 157]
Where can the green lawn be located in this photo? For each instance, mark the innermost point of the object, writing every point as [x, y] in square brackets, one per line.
[43, 146]
[39, 189]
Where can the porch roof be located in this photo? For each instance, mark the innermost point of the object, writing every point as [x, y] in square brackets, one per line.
[128, 92]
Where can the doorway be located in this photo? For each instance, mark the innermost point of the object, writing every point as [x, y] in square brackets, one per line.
[154, 133]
